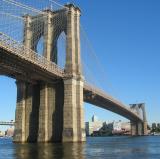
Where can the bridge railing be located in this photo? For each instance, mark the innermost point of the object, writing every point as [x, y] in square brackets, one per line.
[28, 54]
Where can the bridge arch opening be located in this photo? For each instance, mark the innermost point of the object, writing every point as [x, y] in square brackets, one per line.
[7, 103]
[40, 46]
[61, 50]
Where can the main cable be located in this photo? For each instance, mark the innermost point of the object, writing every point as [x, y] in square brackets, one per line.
[18, 4]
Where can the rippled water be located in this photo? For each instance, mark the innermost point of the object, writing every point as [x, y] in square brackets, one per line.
[95, 148]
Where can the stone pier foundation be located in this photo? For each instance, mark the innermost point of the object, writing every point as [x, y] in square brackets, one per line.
[80, 112]
[19, 134]
[145, 128]
[45, 93]
[138, 128]
[39, 112]
[73, 126]
[133, 129]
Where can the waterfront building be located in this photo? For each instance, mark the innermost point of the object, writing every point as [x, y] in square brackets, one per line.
[158, 125]
[93, 125]
[126, 126]
[10, 132]
[114, 126]
[2, 133]
[154, 126]
[96, 127]
[117, 126]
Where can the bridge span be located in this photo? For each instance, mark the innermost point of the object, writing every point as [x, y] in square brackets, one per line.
[101, 99]
[9, 123]
[10, 50]
[49, 98]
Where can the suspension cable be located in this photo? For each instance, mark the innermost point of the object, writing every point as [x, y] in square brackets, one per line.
[23, 6]
[14, 16]
[98, 64]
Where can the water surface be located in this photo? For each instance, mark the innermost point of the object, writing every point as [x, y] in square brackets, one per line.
[147, 147]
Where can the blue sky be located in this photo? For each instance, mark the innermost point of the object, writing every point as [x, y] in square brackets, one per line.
[126, 38]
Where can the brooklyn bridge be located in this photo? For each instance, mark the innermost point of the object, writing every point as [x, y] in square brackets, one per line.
[50, 98]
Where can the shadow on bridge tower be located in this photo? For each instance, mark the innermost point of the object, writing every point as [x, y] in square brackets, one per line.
[52, 111]
[139, 128]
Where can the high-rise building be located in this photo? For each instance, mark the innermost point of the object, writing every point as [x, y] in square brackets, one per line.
[158, 125]
[154, 125]
[94, 118]
[10, 132]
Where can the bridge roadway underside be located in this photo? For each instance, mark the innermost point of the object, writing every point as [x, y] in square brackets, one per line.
[16, 67]
[105, 101]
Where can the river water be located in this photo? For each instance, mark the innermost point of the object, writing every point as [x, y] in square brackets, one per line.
[147, 147]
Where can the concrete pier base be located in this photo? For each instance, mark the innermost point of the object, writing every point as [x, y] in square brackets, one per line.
[73, 126]
[133, 129]
[138, 128]
[39, 112]
[145, 131]
[19, 134]
[51, 112]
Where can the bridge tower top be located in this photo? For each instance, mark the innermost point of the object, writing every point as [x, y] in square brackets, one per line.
[49, 26]
[140, 110]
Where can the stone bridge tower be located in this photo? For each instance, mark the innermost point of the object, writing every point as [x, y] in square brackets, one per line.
[52, 111]
[138, 127]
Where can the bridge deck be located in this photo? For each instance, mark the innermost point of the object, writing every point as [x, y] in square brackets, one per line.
[6, 123]
[20, 51]
[99, 98]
